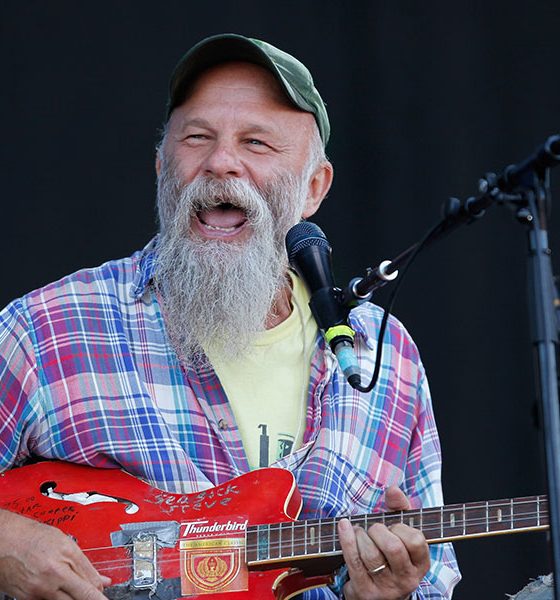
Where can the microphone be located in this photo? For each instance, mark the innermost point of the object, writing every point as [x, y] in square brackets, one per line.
[545, 157]
[309, 254]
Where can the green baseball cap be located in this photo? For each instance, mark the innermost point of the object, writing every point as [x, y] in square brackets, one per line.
[293, 76]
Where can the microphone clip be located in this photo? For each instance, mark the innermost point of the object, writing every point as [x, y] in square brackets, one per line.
[341, 340]
[331, 315]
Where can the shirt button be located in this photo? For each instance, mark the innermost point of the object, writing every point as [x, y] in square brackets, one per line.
[222, 424]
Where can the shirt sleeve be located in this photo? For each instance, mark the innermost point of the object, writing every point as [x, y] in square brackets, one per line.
[18, 385]
[321, 593]
[421, 466]
[423, 486]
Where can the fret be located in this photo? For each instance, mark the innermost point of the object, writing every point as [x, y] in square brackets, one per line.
[511, 513]
[499, 520]
[298, 545]
[524, 513]
[453, 521]
[262, 542]
[441, 534]
[334, 535]
[538, 512]
[366, 521]
[464, 520]
[544, 501]
[486, 513]
[394, 518]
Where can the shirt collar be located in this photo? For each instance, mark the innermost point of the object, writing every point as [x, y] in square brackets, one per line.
[145, 269]
[358, 322]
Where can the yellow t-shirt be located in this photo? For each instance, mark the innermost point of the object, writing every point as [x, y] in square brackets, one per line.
[267, 387]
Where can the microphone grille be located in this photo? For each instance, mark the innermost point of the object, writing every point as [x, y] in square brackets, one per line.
[552, 149]
[302, 235]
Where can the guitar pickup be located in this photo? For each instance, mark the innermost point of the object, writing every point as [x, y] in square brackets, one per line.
[144, 561]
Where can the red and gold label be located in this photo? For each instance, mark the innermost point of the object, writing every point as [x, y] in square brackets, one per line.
[213, 556]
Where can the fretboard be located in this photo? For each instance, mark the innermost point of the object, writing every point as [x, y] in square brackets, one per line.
[298, 540]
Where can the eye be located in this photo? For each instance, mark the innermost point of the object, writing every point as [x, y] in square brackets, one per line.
[196, 139]
[257, 145]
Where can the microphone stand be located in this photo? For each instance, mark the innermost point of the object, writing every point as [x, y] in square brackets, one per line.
[526, 189]
[544, 332]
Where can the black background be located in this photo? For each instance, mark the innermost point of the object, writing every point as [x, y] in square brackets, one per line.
[424, 97]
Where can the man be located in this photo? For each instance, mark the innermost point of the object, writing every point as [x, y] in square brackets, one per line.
[181, 363]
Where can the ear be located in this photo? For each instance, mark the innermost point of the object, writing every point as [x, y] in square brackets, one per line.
[319, 185]
[158, 164]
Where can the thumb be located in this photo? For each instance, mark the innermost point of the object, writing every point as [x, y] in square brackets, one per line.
[396, 499]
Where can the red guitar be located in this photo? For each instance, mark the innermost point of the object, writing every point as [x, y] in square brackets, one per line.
[239, 540]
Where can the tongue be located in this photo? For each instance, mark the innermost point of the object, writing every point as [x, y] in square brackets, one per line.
[222, 217]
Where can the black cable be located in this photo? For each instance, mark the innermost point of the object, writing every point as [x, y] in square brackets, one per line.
[433, 231]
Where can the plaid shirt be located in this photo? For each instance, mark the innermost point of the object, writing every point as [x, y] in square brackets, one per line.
[87, 375]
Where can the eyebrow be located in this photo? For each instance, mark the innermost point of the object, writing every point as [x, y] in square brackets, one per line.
[194, 122]
[203, 123]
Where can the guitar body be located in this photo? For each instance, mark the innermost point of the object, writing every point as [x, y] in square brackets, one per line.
[104, 510]
[237, 541]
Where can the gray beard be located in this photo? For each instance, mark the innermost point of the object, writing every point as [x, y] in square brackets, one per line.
[217, 295]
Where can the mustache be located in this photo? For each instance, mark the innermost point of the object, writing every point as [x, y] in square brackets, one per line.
[280, 197]
[205, 193]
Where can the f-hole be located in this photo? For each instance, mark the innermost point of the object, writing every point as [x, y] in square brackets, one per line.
[86, 498]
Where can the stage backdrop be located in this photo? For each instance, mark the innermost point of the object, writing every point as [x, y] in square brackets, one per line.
[424, 97]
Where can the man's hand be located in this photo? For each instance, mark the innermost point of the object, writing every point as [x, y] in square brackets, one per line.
[39, 562]
[384, 563]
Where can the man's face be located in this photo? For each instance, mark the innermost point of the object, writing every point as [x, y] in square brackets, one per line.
[236, 123]
[234, 174]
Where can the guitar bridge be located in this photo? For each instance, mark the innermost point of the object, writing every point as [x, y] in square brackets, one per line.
[144, 561]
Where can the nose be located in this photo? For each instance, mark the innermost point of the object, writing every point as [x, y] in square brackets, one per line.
[223, 161]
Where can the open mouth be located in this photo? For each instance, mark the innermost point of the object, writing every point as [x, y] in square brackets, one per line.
[223, 220]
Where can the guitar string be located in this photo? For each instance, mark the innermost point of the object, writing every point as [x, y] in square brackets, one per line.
[330, 540]
[123, 563]
[401, 518]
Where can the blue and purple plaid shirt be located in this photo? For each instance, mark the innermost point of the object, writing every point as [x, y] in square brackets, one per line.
[87, 375]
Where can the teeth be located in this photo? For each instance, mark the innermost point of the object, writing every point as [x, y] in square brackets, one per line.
[224, 229]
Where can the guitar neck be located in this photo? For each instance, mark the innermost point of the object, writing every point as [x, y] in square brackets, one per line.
[298, 540]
